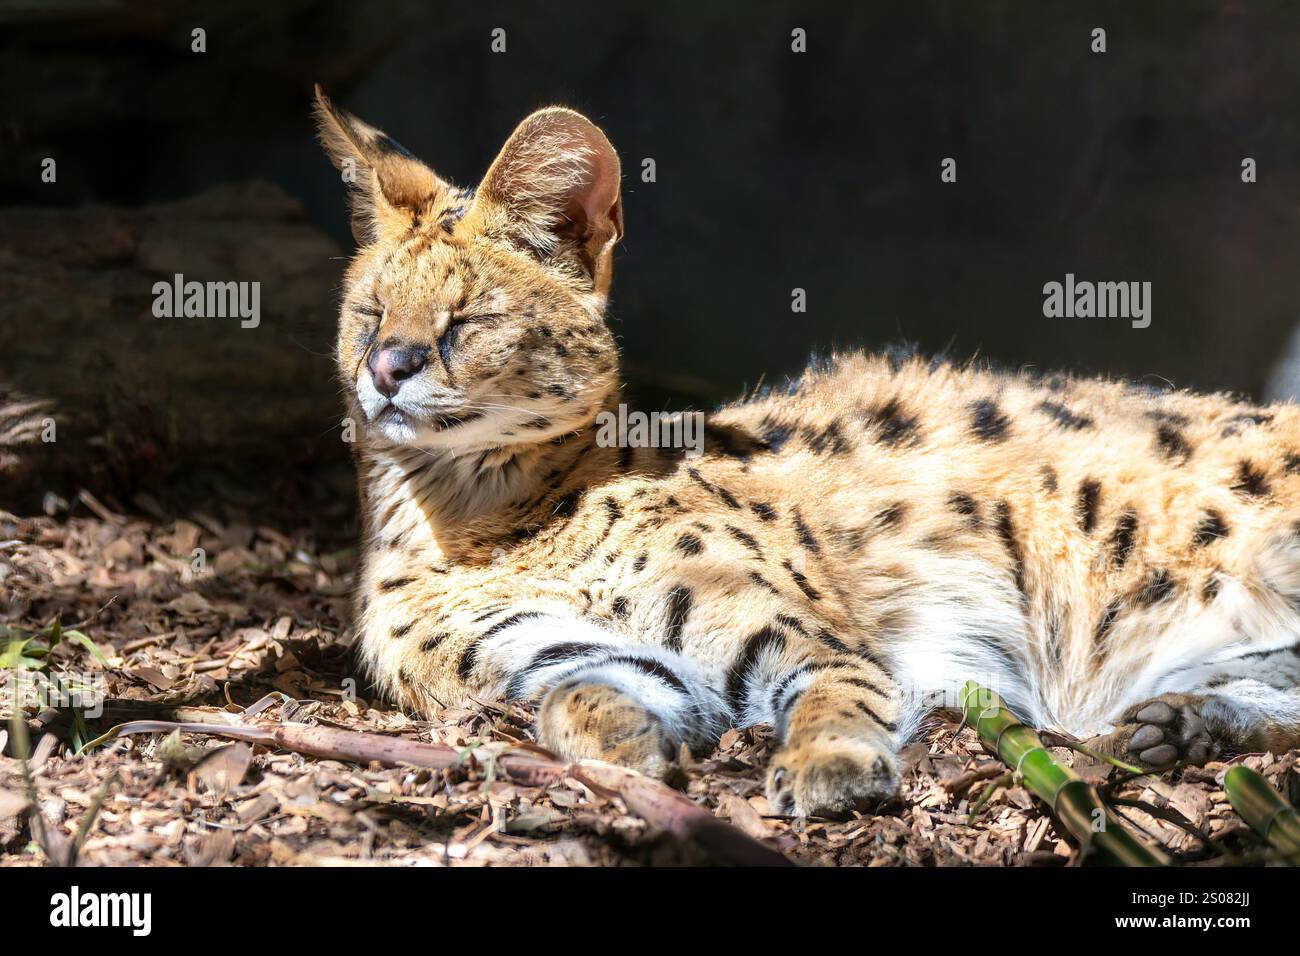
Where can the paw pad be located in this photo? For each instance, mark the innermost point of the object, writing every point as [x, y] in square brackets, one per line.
[1166, 735]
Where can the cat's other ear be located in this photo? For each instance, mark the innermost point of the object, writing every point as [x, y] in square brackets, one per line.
[387, 186]
[554, 190]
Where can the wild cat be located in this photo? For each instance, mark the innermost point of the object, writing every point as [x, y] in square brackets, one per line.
[844, 554]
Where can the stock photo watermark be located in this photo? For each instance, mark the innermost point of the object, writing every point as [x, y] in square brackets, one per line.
[625, 429]
[30, 689]
[1081, 299]
[208, 300]
[75, 909]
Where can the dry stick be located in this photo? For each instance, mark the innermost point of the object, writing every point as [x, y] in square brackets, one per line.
[47, 838]
[1071, 800]
[1265, 810]
[649, 799]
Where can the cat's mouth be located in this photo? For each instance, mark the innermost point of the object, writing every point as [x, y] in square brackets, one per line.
[401, 425]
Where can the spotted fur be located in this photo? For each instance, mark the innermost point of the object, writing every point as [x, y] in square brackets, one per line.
[845, 553]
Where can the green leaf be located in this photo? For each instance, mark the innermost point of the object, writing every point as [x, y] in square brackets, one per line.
[17, 657]
[80, 638]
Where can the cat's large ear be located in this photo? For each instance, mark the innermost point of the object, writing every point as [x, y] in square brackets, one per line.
[554, 190]
[387, 186]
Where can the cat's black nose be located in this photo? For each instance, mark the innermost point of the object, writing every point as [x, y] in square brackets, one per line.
[390, 367]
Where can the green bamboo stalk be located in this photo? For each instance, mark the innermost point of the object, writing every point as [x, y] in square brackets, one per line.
[1265, 810]
[1071, 800]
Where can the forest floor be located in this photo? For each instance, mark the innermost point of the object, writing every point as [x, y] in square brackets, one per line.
[269, 613]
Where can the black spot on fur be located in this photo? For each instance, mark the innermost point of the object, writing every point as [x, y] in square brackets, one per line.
[727, 497]
[764, 511]
[1210, 590]
[1211, 529]
[745, 538]
[892, 517]
[967, 506]
[873, 716]
[1049, 478]
[792, 623]
[779, 704]
[432, 642]
[639, 564]
[731, 441]
[1064, 417]
[1089, 496]
[1250, 481]
[565, 507]
[801, 582]
[1156, 588]
[554, 654]
[393, 584]
[774, 434]
[762, 582]
[1122, 538]
[988, 421]
[828, 439]
[401, 630]
[690, 545]
[766, 639]
[1172, 443]
[831, 641]
[646, 665]
[680, 600]
[1105, 623]
[1007, 532]
[806, 537]
[864, 685]
[469, 656]
[894, 425]
[1292, 464]
[619, 606]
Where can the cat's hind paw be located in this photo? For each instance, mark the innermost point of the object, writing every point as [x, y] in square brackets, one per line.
[1161, 732]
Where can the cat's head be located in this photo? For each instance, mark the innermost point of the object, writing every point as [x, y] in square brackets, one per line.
[475, 319]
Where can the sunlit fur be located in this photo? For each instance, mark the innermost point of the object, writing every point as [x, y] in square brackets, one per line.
[844, 555]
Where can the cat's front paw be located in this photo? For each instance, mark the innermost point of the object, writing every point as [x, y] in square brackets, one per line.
[581, 721]
[830, 779]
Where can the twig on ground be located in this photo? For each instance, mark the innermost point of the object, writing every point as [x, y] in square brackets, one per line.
[51, 841]
[657, 804]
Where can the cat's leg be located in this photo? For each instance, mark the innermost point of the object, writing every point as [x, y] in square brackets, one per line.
[603, 696]
[1248, 703]
[838, 721]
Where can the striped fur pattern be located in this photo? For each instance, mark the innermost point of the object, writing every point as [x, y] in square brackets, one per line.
[843, 556]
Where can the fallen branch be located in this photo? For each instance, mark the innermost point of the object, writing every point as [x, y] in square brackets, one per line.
[657, 804]
[1071, 800]
[51, 840]
[1265, 810]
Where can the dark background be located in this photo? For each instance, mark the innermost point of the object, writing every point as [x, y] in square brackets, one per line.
[775, 170]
